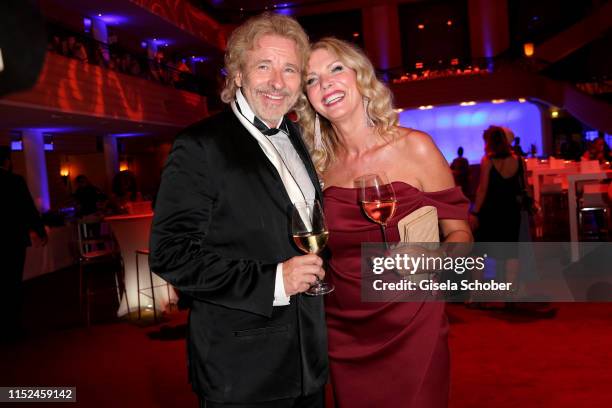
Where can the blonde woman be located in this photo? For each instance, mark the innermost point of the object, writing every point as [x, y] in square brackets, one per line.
[381, 354]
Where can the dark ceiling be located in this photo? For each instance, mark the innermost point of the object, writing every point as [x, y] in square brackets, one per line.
[235, 11]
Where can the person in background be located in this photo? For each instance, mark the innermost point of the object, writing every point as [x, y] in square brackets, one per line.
[69, 46]
[512, 139]
[132, 66]
[590, 151]
[21, 226]
[183, 67]
[601, 150]
[501, 199]
[87, 196]
[173, 73]
[55, 45]
[461, 171]
[79, 52]
[115, 62]
[124, 63]
[183, 73]
[100, 55]
[496, 214]
[124, 191]
[516, 147]
[533, 151]
[157, 68]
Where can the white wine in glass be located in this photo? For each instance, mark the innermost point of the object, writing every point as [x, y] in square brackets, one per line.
[310, 235]
[311, 243]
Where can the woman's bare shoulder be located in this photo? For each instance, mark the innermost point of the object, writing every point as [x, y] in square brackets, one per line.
[415, 143]
[426, 163]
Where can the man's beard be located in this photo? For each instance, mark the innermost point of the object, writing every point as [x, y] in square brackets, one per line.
[278, 111]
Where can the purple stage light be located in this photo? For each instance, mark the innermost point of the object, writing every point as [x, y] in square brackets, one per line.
[16, 145]
[130, 134]
[162, 42]
[58, 129]
[113, 19]
[284, 9]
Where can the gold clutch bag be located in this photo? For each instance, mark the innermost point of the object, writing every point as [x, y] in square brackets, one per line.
[421, 225]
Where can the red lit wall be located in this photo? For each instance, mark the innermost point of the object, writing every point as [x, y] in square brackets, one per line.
[71, 86]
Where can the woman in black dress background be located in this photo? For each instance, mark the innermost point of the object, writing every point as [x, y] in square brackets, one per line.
[496, 215]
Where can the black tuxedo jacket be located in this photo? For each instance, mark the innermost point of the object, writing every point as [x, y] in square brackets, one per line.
[221, 225]
[18, 214]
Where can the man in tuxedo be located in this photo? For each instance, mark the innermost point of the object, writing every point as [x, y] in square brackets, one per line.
[221, 232]
[20, 225]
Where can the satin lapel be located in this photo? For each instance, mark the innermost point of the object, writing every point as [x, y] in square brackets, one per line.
[300, 148]
[256, 154]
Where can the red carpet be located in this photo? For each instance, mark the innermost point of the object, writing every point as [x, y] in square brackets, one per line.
[498, 360]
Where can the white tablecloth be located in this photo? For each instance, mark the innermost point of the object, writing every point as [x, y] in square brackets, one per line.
[60, 252]
[132, 233]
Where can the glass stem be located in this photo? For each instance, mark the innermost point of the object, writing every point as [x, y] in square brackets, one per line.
[383, 228]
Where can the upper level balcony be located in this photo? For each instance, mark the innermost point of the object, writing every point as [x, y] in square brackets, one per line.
[146, 74]
[71, 86]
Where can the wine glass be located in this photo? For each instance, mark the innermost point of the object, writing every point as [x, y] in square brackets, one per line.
[377, 200]
[310, 234]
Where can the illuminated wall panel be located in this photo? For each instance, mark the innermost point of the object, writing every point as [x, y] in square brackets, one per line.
[454, 126]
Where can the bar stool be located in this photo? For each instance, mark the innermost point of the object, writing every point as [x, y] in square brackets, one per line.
[145, 289]
[554, 203]
[593, 207]
[96, 246]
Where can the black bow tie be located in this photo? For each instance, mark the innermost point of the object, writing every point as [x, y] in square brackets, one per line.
[266, 130]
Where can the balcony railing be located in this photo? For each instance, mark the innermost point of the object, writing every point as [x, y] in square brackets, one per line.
[175, 73]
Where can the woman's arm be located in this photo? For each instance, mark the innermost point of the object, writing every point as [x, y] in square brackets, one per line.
[526, 179]
[483, 184]
[481, 191]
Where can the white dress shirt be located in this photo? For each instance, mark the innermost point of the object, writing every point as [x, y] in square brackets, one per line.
[296, 167]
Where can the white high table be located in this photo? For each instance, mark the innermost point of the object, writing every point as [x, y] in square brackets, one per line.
[539, 173]
[572, 204]
[132, 233]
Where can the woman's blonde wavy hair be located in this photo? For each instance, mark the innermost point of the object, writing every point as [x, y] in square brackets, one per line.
[379, 103]
[246, 36]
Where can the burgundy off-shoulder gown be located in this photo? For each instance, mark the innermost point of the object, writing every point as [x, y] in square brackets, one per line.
[383, 355]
